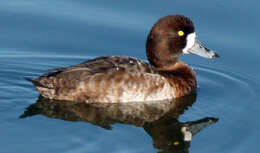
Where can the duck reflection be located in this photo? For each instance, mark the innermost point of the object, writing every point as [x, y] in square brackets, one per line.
[159, 119]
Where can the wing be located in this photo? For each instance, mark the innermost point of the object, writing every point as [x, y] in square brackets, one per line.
[103, 65]
[109, 63]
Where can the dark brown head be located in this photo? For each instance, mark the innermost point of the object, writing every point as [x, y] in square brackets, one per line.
[171, 36]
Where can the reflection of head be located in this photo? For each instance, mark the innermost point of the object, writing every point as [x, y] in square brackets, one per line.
[170, 135]
[167, 135]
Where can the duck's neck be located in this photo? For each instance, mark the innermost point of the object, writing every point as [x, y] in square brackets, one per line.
[164, 57]
[181, 77]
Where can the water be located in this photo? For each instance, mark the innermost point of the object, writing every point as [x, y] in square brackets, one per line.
[40, 35]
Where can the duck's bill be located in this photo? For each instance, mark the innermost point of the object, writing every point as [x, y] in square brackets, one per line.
[202, 51]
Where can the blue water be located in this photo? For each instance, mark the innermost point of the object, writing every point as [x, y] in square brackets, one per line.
[39, 35]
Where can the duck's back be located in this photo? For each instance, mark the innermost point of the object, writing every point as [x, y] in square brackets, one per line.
[105, 79]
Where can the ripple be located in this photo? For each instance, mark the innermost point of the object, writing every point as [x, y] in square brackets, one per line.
[221, 91]
[243, 84]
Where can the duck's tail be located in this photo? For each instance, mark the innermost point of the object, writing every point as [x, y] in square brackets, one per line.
[43, 86]
[35, 82]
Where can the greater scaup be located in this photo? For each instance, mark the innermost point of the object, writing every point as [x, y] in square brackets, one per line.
[115, 79]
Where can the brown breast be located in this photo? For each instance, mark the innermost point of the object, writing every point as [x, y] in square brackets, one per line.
[181, 77]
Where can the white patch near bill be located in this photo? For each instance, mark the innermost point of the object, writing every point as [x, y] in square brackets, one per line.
[187, 134]
[191, 38]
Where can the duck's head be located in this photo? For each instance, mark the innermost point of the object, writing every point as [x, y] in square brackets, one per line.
[171, 36]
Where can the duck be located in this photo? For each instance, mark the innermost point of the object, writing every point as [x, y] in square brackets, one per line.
[117, 79]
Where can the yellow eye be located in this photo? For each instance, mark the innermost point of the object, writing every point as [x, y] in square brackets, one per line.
[176, 143]
[180, 33]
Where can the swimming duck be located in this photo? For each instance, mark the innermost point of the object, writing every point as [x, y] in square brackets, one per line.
[116, 79]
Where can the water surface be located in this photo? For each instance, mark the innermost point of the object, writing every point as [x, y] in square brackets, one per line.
[40, 35]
